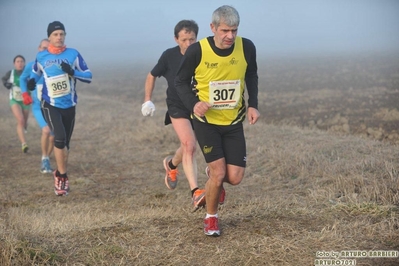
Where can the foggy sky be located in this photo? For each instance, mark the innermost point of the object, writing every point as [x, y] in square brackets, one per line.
[139, 31]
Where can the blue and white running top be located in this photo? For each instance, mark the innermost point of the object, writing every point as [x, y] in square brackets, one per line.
[59, 89]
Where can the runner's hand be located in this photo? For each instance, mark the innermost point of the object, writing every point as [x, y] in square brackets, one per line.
[253, 115]
[8, 85]
[200, 108]
[148, 108]
[67, 68]
[26, 98]
[31, 84]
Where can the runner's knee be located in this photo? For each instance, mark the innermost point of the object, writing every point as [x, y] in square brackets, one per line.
[59, 144]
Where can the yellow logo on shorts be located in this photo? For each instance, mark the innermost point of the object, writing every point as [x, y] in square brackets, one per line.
[207, 149]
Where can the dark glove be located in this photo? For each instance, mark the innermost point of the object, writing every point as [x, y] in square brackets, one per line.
[67, 68]
[8, 85]
[31, 84]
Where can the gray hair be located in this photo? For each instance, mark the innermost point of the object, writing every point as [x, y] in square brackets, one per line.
[226, 14]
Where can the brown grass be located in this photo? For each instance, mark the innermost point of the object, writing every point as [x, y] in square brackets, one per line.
[305, 189]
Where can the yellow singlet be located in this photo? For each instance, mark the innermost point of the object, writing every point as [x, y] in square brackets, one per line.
[221, 82]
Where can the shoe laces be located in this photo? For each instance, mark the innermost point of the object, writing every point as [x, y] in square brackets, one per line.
[46, 163]
[172, 174]
[66, 183]
[62, 183]
[58, 183]
[212, 223]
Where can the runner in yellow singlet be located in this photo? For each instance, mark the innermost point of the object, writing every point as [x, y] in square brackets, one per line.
[222, 65]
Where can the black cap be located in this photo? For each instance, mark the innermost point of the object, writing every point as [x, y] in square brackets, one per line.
[55, 25]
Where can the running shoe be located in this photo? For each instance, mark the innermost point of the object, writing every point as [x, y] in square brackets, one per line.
[211, 226]
[199, 199]
[25, 148]
[222, 195]
[46, 167]
[61, 185]
[171, 174]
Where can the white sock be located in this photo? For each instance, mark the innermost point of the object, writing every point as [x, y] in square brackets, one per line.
[44, 157]
[211, 215]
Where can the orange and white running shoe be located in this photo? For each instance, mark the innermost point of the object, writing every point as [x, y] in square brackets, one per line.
[61, 185]
[222, 195]
[199, 199]
[211, 226]
[171, 174]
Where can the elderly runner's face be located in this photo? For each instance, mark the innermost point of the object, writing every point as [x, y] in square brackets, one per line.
[57, 38]
[224, 35]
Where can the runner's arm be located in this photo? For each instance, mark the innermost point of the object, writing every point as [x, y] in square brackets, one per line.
[23, 79]
[4, 79]
[159, 70]
[184, 76]
[82, 72]
[149, 87]
[251, 75]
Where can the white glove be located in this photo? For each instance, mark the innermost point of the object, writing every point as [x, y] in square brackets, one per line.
[148, 108]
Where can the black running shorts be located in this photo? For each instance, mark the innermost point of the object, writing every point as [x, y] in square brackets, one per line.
[221, 141]
[176, 111]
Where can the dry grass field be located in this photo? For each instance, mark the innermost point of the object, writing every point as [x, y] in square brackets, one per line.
[322, 175]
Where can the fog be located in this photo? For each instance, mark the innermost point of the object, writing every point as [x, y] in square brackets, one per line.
[138, 31]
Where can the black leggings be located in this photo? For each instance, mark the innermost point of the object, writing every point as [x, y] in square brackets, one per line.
[61, 122]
